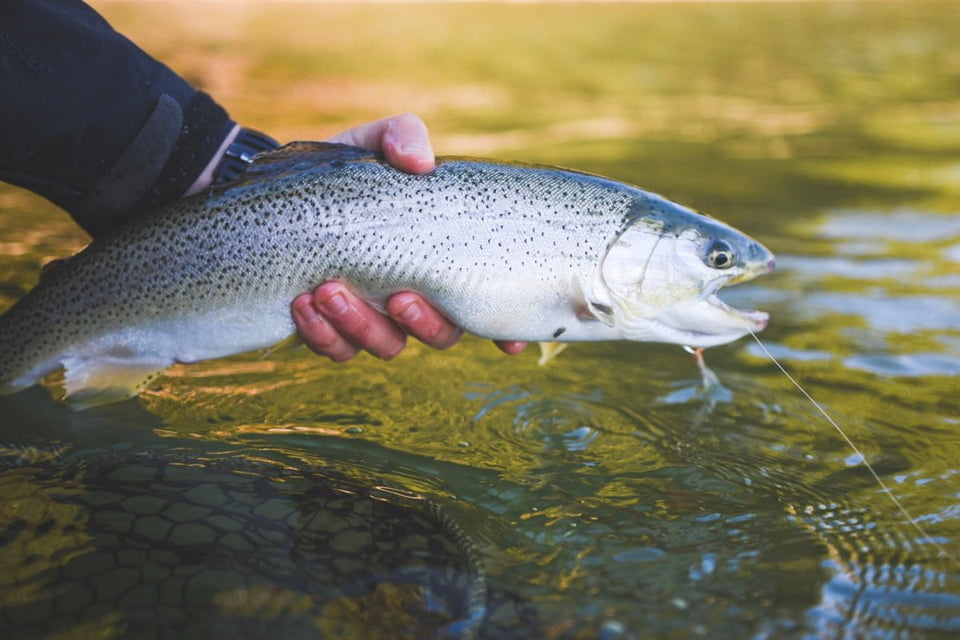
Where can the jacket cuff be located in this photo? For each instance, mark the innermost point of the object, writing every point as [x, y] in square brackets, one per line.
[171, 149]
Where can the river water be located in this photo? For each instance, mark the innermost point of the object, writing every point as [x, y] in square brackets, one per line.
[608, 494]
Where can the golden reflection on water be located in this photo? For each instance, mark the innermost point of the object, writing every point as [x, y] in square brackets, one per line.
[49, 533]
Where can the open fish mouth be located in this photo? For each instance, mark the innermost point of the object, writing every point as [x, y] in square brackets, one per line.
[701, 319]
[750, 318]
[706, 321]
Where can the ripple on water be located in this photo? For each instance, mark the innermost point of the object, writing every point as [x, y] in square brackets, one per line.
[847, 267]
[540, 423]
[892, 601]
[890, 314]
[886, 287]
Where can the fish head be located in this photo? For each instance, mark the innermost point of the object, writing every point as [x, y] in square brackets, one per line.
[661, 274]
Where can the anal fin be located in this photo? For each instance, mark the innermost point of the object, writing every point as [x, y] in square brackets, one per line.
[103, 379]
[287, 344]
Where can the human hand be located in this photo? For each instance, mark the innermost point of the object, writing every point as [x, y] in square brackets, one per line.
[334, 322]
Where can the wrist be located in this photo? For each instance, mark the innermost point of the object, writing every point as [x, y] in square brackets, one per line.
[205, 179]
[236, 151]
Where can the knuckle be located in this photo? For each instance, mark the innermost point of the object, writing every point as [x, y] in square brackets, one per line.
[441, 335]
[359, 329]
[436, 335]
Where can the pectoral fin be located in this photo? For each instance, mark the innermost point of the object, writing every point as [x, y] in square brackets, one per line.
[91, 381]
[601, 312]
[549, 351]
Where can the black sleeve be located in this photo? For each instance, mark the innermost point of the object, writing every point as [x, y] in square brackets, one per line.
[90, 121]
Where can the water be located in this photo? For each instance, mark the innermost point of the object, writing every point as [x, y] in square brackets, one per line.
[606, 494]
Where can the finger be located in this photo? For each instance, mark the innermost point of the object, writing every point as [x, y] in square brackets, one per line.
[406, 144]
[357, 322]
[318, 334]
[403, 140]
[415, 316]
[511, 347]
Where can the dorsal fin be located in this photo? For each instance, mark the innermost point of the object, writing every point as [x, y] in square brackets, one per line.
[54, 265]
[50, 266]
[296, 157]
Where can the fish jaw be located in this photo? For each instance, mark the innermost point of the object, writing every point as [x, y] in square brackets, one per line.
[751, 319]
[722, 323]
[709, 321]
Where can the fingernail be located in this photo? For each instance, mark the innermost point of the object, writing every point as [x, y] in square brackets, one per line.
[336, 304]
[412, 313]
[415, 149]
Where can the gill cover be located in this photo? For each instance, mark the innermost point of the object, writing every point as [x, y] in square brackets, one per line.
[628, 263]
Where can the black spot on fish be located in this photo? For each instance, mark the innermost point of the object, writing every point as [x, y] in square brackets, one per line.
[559, 332]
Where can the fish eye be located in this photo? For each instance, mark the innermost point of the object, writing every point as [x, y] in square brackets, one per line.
[720, 255]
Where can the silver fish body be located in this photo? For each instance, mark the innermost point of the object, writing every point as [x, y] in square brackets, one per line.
[506, 251]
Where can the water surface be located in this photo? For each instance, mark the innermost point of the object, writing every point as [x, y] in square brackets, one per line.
[607, 494]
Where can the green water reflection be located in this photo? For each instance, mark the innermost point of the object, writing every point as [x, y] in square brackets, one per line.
[607, 494]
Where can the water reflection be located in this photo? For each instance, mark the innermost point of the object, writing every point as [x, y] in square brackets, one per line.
[172, 542]
[890, 227]
[885, 313]
[564, 423]
[886, 281]
[915, 364]
[850, 267]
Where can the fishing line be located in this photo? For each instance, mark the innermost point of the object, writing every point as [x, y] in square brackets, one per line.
[863, 458]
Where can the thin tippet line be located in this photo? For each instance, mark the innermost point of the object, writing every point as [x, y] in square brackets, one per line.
[863, 458]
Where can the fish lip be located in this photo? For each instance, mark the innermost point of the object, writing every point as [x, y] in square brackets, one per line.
[752, 318]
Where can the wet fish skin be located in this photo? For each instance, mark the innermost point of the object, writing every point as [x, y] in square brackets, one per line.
[506, 251]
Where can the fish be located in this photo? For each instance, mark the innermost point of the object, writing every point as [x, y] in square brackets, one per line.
[507, 251]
